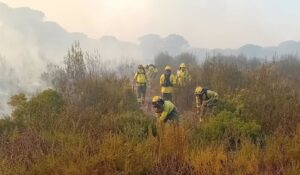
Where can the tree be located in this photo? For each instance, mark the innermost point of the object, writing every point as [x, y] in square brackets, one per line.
[186, 58]
[74, 63]
[163, 59]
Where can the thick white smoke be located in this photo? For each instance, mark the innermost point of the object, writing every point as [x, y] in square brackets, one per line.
[28, 43]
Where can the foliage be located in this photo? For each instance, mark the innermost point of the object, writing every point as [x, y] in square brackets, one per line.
[41, 110]
[227, 127]
[6, 125]
[90, 123]
[163, 59]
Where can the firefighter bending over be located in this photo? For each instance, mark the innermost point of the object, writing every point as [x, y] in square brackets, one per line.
[205, 98]
[165, 110]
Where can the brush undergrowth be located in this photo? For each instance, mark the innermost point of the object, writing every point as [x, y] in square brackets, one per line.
[90, 123]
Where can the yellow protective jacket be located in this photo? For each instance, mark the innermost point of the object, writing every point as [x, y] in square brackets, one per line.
[151, 72]
[166, 88]
[212, 94]
[168, 109]
[183, 78]
[209, 95]
[140, 79]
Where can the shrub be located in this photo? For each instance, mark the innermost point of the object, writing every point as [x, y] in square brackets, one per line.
[271, 101]
[7, 125]
[91, 123]
[226, 126]
[40, 111]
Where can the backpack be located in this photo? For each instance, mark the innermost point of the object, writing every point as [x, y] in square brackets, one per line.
[167, 82]
[203, 94]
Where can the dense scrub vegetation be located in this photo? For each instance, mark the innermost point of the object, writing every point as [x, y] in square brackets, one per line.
[90, 123]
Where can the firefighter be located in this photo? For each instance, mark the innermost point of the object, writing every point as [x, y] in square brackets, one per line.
[205, 98]
[165, 110]
[183, 76]
[151, 72]
[167, 83]
[141, 80]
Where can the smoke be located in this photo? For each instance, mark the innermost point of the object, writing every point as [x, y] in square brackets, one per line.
[28, 43]
[21, 62]
[8, 84]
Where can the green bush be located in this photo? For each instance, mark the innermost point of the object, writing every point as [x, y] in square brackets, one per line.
[6, 125]
[40, 111]
[226, 126]
[134, 125]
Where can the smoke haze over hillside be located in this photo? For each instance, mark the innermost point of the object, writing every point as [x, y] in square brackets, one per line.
[28, 43]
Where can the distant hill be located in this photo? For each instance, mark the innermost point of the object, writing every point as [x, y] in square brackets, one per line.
[251, 50]
[28, 43]
[26, 29]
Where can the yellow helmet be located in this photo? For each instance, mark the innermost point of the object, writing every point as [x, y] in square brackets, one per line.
[156, 99]
[198, 90]
[168, 67]
[182, 65]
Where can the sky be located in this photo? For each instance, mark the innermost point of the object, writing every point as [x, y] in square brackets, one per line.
[204, 23]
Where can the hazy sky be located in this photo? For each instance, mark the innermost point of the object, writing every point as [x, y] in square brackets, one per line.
[204, 23]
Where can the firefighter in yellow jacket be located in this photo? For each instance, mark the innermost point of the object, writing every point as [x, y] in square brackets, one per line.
[165, 110]
[141, 80]
[151, 72]
[205, 98]
[167, 83]
[183, 76]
